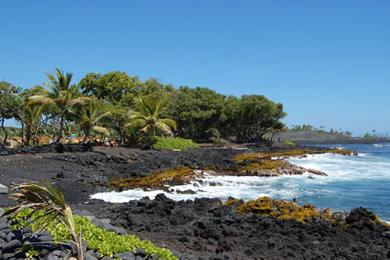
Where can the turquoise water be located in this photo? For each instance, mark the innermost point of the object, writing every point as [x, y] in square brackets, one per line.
[352, 181]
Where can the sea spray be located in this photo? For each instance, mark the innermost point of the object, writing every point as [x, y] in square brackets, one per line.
[352, 181]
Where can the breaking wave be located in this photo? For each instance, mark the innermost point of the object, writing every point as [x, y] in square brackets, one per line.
[352, 181]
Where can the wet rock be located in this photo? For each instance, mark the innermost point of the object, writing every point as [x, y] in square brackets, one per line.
[359, 215]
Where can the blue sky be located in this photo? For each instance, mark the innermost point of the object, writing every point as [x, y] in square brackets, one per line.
[327, 61]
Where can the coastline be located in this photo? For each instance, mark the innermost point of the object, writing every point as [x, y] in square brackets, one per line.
[191, 229]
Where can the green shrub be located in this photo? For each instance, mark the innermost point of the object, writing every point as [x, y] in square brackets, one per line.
[174, 143]
[105, 242]
[290, 143]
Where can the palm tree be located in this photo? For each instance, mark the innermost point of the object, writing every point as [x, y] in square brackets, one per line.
[89, 115]
[61, 95]
[47, 199]
[149, 117]
[30, 116]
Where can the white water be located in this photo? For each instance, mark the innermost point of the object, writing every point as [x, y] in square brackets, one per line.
[362, 180]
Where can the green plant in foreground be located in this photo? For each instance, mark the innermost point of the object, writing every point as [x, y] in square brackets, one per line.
[32, 253]
[49, 201]
[174, 143]
[107, 243]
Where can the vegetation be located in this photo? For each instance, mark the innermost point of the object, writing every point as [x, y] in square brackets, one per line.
[8, 105]
[107, 243]
[12, 131]
[148, 117]
[266, 164]
[158, 180]
[89, 116]
[280, 209]
[130, 110]
[174, 143]
[47, 199]
[42, 206]
[60, 97]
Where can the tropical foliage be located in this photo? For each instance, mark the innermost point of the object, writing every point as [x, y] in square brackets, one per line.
[174, 143]
[8, 105]
[130, 110]
[88, 117]
[47, 199]
[43, 206]
[148, 117]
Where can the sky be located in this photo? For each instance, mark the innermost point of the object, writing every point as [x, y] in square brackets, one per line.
[327, 61]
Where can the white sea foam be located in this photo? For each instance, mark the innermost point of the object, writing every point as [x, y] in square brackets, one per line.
[338, 167]
[246, 187]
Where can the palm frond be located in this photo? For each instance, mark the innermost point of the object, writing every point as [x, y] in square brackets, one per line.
[137, 123]
[40, 100]
[80, 101]
[101, 130]
[169, 122]
[45, 198]
[164, 128]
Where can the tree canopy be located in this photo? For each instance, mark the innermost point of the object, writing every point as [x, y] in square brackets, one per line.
[126, 108]
[9, 104]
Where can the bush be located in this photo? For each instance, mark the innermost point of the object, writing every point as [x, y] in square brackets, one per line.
[107, 243]
[290, 143]
[174, 143]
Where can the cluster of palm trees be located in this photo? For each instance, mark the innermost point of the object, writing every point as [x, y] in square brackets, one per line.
[61, 102]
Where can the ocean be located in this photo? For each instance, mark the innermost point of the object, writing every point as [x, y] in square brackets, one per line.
[352, 181]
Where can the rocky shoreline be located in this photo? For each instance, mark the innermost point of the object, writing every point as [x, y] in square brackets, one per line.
[200, 229]
[208, 229]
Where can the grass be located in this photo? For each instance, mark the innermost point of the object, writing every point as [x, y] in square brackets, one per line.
[174, 143]
[107, 243]
[158, 180]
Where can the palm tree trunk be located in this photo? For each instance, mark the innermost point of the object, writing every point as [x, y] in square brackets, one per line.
[121, 137]
[86, 134]
[5, 131]
[28, 135]
[61, 130]
[23, 141]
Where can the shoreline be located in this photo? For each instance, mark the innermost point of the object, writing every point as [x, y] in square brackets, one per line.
[189, 228]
